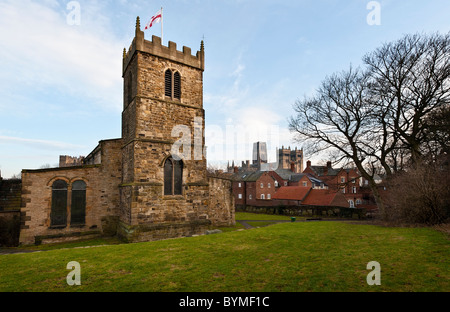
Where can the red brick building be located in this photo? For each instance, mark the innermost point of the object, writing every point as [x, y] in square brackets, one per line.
[347, 181]
[251, 187]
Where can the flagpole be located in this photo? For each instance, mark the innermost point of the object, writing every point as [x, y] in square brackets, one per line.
[162, 35]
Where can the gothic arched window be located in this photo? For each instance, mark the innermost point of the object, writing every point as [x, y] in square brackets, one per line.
[177, 85]
[172, 87]
[173, 177]
[78, 207]
[58, 213]
[168, 85]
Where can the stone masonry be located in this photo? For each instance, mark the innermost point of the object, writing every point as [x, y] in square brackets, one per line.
[125, 177]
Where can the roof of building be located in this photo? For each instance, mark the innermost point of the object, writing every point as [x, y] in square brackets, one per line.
[324, 170]
[287, 174]
[291, 193]
[248, 176]
[298, 177]
[321, 197]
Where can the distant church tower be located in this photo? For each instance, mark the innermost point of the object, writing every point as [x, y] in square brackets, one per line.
[163, 88]
[290, 159]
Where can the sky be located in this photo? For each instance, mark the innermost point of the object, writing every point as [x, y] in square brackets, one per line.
[61, 66]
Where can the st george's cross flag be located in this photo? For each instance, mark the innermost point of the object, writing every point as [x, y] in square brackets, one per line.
[155, 19]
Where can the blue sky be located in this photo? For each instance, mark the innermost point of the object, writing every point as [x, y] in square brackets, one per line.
[61, 84]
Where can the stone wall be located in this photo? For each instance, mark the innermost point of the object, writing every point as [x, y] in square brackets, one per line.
[70, 161]
[221, 202]
[10, 194]
[9, 228]
[305, 210]
[102, 198]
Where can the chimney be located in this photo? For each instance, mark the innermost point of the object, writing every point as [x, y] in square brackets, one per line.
[235, 169]
[293, 167]
[308, 163]
[327, 168]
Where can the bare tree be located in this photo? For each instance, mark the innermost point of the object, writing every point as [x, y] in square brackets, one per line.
[379, 117]
[410, 80]
[420, 195]
[437, 133]
[340, 119]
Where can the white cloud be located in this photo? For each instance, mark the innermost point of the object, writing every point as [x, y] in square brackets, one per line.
[41, 144]
[38, 50]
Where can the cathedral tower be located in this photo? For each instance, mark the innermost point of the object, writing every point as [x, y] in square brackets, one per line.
[290, 159]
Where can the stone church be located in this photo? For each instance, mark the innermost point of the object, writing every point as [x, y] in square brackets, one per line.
[135, 187]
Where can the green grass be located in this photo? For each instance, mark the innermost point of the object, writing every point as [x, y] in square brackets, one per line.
[305, 256]
[75, 244]
[260, 223]
[261, 217]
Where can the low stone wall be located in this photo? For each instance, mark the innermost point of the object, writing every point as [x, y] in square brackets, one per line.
[221, 202]
[160, 231]
[304, 210]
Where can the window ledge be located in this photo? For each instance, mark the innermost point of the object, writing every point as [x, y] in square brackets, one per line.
[77, 225]
[57, 227]
[173, 197]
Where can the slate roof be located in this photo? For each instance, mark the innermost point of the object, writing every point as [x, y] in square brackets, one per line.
[320, 170]
[286, 174]
[247, 176]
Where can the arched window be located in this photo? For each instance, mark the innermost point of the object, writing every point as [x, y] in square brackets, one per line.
[172, 87]
[177, 85]
[351, 203]
[78, 208]
[168, 85]
[173, 177]
[58, 215]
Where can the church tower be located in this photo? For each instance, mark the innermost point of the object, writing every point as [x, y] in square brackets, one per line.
[164, 190]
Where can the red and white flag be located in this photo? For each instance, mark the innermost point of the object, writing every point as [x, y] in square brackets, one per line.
[154, 20]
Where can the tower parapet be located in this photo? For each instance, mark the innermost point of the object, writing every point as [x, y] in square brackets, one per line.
[155, 47]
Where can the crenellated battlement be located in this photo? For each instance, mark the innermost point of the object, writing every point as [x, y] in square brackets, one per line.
[155, 47]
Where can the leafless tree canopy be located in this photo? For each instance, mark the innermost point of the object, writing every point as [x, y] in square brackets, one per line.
[383, 116]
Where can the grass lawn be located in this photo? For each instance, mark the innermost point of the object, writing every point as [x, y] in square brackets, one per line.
[305, 256]
[261, 217]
